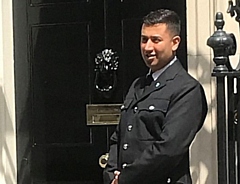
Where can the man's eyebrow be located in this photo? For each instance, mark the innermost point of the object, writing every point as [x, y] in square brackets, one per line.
[157, 36]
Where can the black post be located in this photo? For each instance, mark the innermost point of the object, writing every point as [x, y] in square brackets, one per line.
[231, 130]
[221, 132]
[238, 129]
[224, 45]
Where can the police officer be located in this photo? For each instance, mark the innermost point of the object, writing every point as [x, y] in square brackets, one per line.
[161, 114]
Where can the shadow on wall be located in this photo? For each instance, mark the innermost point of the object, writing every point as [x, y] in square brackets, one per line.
[6, 131]
[204, 148]
[202, 154]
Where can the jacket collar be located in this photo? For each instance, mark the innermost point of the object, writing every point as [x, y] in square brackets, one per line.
[156, 74]
[161, 81]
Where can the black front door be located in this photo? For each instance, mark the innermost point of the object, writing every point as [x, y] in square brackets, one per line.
[56, 43]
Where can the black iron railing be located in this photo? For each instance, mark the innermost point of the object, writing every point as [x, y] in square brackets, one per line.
[228, 99]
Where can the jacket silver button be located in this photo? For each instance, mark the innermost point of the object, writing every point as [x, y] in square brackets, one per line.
[151, 107]
[122, 107]
[124, 165]
[157, 84]
[129, 128]
[169, 180]
[135, 109]
[125, 146]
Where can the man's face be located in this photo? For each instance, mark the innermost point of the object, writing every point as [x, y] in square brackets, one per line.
[158, 45]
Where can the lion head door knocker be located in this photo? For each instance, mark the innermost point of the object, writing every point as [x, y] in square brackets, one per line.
[106, 65]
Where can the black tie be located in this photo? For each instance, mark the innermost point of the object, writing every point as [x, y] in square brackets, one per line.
[148, 81]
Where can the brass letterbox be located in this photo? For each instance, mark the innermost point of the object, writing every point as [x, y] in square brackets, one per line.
[103, 114]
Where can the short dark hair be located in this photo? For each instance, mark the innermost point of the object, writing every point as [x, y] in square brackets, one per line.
[165, 16]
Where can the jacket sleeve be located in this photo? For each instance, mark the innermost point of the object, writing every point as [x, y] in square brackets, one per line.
[185, 117]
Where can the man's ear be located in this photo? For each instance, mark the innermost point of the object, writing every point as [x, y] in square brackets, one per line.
[176, 41]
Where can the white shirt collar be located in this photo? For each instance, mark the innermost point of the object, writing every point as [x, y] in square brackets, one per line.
[157, 73]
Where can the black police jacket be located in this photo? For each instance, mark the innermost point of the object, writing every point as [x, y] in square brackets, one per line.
[157, 126]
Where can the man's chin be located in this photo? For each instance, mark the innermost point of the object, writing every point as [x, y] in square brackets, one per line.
[149, 62]
[152, 67]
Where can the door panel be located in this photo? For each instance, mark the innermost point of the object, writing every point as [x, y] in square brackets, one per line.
[56, 43]
[61, 101]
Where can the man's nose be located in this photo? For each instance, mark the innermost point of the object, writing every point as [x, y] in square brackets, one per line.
[149, 45]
